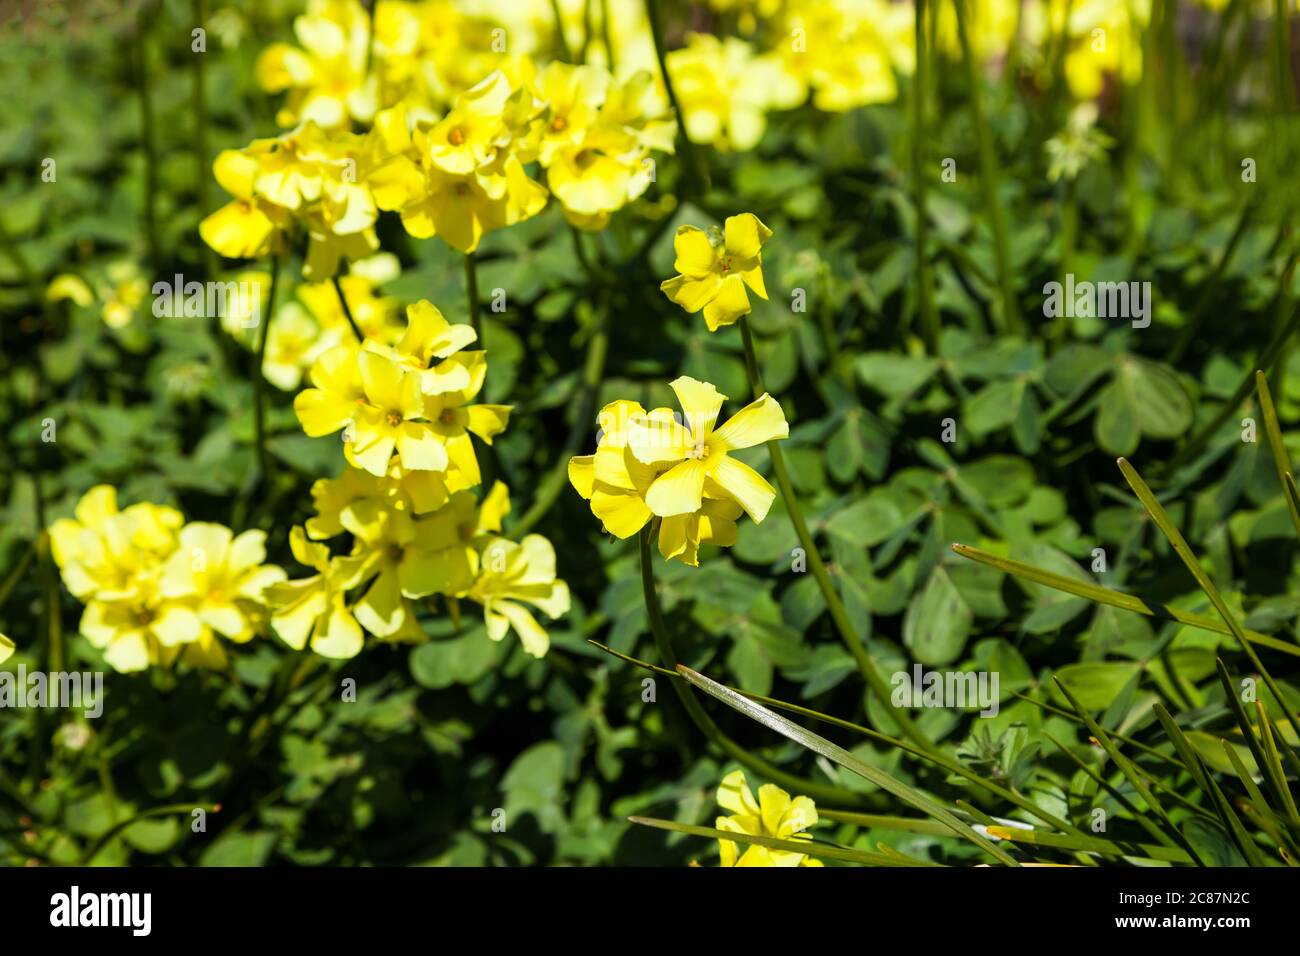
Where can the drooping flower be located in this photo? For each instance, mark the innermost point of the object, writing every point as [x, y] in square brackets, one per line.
[773, 814]
[714, 268]
[512, 575]
[313, 610]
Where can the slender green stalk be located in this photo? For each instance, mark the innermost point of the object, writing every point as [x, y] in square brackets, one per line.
[818, 791]
[561, 41]
[848, 634]
[694, 159]
[809, 848]
[259, 378]
[989, 178]
[347, 309]
[471, 295]
[370, 38]
[606, 37]
[147, 137]
[936, 757]
[202, 167]
[924, 293]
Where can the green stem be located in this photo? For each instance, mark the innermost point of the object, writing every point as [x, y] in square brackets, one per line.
[202, 169]
[147, 139]
[694, 160]
[848, 634]
[818, 791]
[471, 295]
[561, 41]
[347, 309]
[259, 378]
[370, 39]
[924, 296]
[989, 177]
[606, 35]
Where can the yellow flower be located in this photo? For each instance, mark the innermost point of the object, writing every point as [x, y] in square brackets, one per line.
[615, 483]
[773, 814]
[468, 137]
[344, 503]
[512, 575]
[725, 90]
[123, 290]
[715, 268]
[427, 347]
[313, 609]
[455, 419]
[6, 648]
[223, 575]
[700, 454]
[293, 343]
[136, 633]
[847, 51]
[327, 76]
[379, 402]
[110, 554]
[249, 226]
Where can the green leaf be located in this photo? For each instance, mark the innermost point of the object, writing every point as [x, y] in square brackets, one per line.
[938, 621]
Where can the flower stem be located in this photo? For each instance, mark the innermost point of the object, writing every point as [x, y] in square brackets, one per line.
[471, 295]
[924, 296]
[347, 309]
[259, 379]
[694, 160]
[147, 138]
[561, 41]
[989, 177]
[848, 634]
[818, 791]
[202, 170]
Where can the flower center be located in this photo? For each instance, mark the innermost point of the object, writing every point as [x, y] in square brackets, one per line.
[448, 416]
[456, 137]
[462, 189]
[394, 419]
[699, 450]
[559, 124]
[726, 265]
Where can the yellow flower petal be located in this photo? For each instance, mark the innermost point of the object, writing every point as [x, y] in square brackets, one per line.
[762, 420]
[728, 305]
[745, 235]
[750, 489]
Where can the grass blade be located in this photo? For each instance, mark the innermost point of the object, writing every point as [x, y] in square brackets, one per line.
[842, 757]
[1161, 518]
[808, 848]
[1281, 460]
[1117, 599]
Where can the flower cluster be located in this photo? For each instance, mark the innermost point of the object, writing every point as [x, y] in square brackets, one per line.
[679, 469]
[773, 814]
[407, 414]
[158, 590]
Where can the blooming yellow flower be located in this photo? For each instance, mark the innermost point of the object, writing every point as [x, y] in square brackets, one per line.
[715, 267]
[249, 226]
[345, 503]
[615, 483]
[313, 609]
[773, 814]
[223, 575]
[326, 77]
[700, 454]
[512, 575]
[110, 554]
[427, 347]
[136, 633]
[725, 90]
[454, 419]
[120, 293]
[847, 51]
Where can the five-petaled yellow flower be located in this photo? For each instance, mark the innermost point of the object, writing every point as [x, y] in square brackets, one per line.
[699, 454]
[773, 814]
[715, 267]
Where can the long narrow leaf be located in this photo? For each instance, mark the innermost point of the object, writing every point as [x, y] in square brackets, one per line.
[842, 757]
